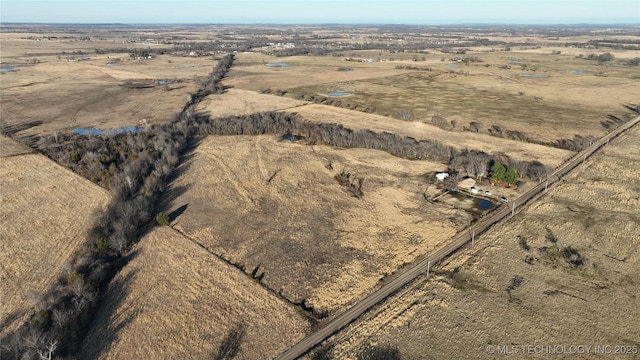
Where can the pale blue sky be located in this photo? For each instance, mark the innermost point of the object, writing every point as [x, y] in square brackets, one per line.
[310, 11]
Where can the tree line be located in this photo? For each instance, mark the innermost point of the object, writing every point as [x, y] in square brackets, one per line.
[138, 170]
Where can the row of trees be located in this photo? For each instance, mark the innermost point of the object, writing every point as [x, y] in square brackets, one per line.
[479, 164]
[138, 168]
[323, 133]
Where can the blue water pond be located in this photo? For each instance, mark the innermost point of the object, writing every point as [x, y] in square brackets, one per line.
[7, 68]
[577, 72]
[276, 64]
[339, 93]
[534, 76]
[95, 132]
[453, 66]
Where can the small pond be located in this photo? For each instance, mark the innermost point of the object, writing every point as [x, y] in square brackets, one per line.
[339, 93]
[7, 68]
[538, 76]
[290, 137]
[115, 63]
[94, 131]
[577, 72]
[473, 204]
[517, 60]
[276, 64]
[162, 82]
[453, 66]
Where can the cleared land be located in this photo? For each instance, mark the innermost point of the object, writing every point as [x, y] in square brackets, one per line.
[460, 140]
[251, 72]
[310, 238]
[176, 300]
[61, 95]
[464, 307]
[45, 213]
[547, 96]
[236, 102]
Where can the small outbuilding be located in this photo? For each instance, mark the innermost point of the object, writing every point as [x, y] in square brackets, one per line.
[441, 176]
[467, 183]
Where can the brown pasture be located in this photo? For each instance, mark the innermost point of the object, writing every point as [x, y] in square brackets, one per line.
[275, 207]
[460, 140]
[176, 300]
[45, 213]
[464, 309]
[557, 104]
[237, 102]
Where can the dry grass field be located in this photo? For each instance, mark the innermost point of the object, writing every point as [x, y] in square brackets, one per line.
[55, 94]
[237, 102]
[464, 307]
[311, 239]
[10, 147]
[262, 232]
[175, 300]
[62, 96]
[251, 72]
[559, 96]
[45, 212]
[460, 140]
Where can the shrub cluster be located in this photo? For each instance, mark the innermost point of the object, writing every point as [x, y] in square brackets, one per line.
[351, 183]
[478, 164]
[578, 143]
[318, 99]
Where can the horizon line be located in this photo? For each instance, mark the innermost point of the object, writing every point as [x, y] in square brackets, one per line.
[632, 24]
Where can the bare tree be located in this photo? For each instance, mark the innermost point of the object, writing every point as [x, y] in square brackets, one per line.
[48, 353]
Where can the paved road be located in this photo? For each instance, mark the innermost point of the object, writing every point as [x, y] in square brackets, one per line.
[457, 242]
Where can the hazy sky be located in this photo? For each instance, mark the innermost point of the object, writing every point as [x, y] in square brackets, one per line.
[327, 11]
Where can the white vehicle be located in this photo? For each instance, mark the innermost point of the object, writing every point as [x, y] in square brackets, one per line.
[487, 192]
[504, 199]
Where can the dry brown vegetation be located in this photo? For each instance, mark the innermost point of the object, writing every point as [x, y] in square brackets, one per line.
[273, 205]
[68, 95]
[465, 307]
[236, 102]
[10, 147]
[176, 300]
[45, 213]
[251, 72]
[418, 130]
[315, 225]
